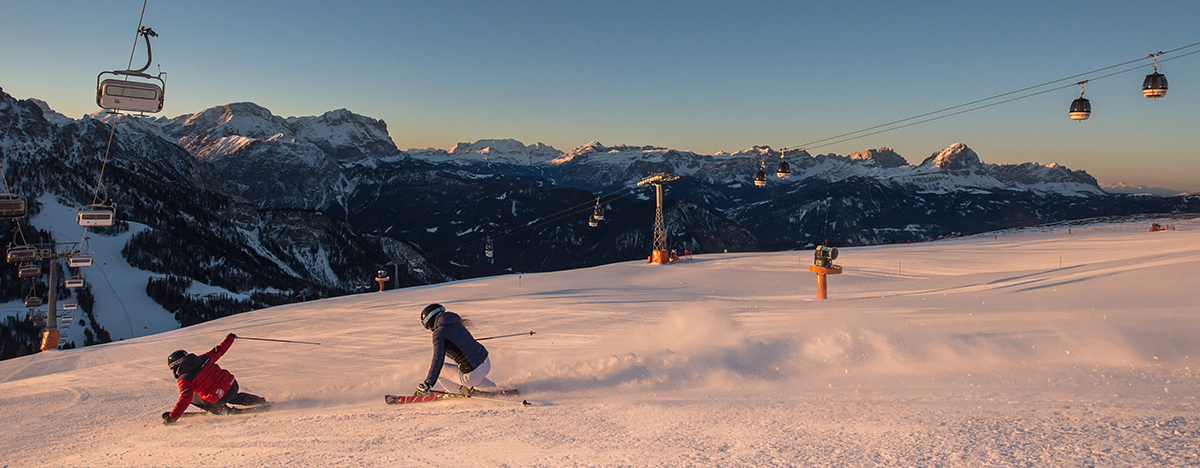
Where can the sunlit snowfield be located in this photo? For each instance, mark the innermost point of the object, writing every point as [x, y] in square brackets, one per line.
[1036, 347]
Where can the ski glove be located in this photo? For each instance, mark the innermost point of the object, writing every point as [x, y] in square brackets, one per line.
[423, 388]
[167, 418]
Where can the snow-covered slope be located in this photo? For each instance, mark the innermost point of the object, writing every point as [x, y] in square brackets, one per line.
[1034, 348]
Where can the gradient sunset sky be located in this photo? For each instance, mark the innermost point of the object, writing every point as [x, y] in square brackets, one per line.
[698, 76]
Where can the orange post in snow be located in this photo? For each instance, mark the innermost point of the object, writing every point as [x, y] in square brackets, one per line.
[822, 285]
[49, 340]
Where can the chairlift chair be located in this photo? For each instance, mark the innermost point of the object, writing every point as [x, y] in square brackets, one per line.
[121, 94]
[70, 305]
[33, 301]
[12, 206]
[67, 317]
[22, 253]
[80, 260]
[124, 95]
[96, 215]
[29, 270]
[73, 282]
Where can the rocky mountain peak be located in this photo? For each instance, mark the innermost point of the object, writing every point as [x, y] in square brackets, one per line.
[958, 157]
[883, 157]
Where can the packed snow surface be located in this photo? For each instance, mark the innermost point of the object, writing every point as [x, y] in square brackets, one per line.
[1031, 348]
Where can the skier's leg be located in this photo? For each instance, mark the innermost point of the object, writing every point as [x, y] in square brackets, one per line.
[451, 378]
[477, 378]
[247, 399]
[214, 408]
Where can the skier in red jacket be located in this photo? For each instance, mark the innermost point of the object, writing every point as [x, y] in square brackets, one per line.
[205, 384]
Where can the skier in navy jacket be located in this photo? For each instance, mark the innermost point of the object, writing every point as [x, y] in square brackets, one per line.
[451, 338]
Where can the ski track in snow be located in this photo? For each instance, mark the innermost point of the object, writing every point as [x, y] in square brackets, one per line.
[1032, 348]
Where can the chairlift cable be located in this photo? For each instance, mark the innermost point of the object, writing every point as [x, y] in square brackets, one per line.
[990, 98]
[887, 127]
[113, 126]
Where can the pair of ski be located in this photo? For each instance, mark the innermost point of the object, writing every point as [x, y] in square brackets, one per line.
[436, 395]
[229, 411]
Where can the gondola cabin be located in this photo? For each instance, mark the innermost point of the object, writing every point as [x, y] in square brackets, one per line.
[136, 96]
[29, 270]
[1081, 109]
[1155, 86]
[80, 260]
[98, 215]
[22, 253]
[593, 222]
[12, 206]
[784, 170]
[760, 179]
[597, 212]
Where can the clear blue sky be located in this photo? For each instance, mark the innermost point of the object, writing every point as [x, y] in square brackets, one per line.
[699, 76]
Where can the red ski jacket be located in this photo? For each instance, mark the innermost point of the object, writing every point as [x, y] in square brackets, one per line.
[200, 375]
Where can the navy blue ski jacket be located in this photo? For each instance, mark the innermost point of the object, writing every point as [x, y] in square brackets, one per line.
[451, 338]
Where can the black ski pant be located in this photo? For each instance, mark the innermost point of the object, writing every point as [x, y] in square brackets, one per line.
[232, 397]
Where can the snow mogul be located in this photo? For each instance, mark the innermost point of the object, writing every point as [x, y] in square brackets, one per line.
[205, 384]
[451, 338]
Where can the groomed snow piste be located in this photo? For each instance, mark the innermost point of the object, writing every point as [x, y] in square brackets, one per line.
[1030, 348]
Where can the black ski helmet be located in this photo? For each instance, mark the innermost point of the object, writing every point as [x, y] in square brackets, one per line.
[175, 358]
[429, 313]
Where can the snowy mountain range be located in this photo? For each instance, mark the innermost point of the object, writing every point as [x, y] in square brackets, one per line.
[279, 209]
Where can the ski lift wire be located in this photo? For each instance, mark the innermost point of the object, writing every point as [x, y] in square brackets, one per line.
[890, 125]
[113, 127]
[993, 97]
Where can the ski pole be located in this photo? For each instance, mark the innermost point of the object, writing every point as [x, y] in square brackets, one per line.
[240, 337]
[504, 336]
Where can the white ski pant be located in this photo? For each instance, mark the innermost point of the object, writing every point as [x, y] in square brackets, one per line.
[451, 377]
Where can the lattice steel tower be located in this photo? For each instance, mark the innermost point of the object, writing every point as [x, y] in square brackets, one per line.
[660, 254]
